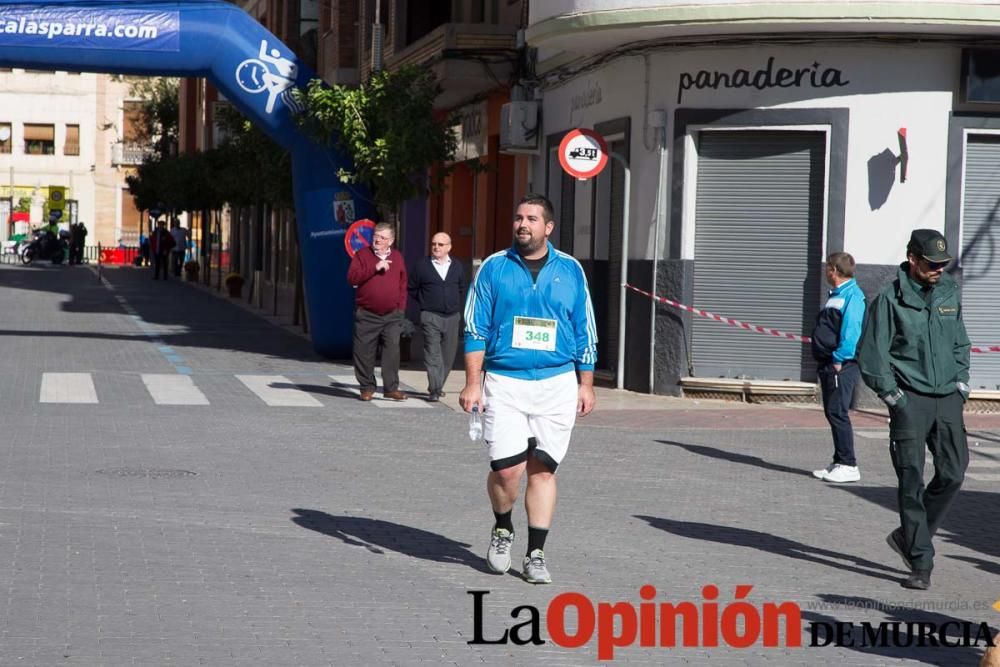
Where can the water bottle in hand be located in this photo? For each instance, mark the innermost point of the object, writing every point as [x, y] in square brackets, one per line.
[475, 424]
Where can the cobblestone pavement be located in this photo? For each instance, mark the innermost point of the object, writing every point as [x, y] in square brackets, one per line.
[256, 527]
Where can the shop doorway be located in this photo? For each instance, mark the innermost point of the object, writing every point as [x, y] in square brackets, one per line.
[980, 258]
[590, 217]
[758, 230]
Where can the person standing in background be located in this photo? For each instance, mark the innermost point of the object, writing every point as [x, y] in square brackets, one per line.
[180, 247]
[834, 343]
[378, 273]
[438, 284]
[160, 245]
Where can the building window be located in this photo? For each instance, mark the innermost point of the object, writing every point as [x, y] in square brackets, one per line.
[134, 120]
[72, 146]
[981, 76]
[6, 139]
[39, 139]
[419, 23]
[309, 13]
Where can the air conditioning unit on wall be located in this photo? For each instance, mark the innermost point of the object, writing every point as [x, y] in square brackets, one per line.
[519, 127]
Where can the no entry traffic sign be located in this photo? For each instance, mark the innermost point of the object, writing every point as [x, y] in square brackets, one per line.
[359, 235]
[583, 153]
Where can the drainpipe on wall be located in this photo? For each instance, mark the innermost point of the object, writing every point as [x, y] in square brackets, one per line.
[378, 39]
[658, 121]
[620, 374]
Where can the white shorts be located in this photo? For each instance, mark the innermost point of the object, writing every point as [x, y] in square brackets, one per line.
[522, 415]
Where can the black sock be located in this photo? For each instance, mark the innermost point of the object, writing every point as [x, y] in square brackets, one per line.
[536, 539]
[504, 520]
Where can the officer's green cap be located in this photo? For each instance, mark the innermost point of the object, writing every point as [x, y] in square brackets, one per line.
[929, 244]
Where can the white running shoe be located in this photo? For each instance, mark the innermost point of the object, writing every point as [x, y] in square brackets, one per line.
[498, 555]
[842, 474]
[821, 474]
[534, 570]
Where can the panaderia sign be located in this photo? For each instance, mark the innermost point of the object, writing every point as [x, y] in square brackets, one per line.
[773, 74]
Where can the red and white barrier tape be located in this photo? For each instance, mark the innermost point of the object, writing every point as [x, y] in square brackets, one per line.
[725, 320]
[753, 327]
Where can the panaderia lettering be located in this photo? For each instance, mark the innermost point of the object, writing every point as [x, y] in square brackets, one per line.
[814, 75]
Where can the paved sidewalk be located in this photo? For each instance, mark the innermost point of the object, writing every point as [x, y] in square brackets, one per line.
[251, 531]
[644, 410]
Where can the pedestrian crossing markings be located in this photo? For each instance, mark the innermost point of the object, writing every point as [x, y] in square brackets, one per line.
[176, 389]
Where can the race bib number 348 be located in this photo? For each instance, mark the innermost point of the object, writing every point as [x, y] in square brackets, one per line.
[533, 333]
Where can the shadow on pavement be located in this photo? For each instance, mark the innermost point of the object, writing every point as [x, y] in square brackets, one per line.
[712, 452]
[983, 435]
[378, 536]
[773, 544]
[856, 640]
[211, 321]
[989, 566]
[322, 390]
[965, 525]
[969, 523]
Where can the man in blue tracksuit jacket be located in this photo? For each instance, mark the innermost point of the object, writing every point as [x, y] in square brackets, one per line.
[530, 326]
[834, 344]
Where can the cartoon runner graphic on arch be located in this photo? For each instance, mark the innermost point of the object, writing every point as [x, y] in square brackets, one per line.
[254, 76]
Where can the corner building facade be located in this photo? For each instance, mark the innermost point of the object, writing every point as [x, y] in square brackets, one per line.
[760, 137]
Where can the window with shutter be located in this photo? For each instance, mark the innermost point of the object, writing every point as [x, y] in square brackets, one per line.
[72, 145]
[39, 139]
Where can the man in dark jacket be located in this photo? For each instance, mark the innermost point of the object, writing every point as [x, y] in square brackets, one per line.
[834, 342]
[379, 276]
[160, 245]
[438, 285]
[914, 354]
[77, 239]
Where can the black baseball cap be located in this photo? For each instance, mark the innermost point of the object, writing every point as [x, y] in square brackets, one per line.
[929, 244]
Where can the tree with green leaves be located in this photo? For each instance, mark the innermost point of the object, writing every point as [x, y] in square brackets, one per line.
[389, 129]
[160, 122]
[247, 169]
[252, 169]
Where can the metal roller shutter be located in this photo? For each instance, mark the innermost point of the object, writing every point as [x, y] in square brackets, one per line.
[758, 250]
[980, 246]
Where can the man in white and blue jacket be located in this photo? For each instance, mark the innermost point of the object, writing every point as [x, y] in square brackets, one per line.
[530, 326]
[834, 345]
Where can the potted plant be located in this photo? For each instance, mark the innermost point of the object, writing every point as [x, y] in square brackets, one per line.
[191, 269]
[234, 283]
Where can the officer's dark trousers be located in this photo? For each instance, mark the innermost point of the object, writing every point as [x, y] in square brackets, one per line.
[838, 390]
[937, 422]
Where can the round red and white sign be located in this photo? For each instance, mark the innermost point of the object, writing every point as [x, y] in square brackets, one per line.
[359, 235]
[583, 153]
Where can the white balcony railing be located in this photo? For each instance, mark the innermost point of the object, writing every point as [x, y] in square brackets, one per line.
[129, 154]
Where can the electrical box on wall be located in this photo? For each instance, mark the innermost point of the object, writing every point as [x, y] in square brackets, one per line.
[519, 127]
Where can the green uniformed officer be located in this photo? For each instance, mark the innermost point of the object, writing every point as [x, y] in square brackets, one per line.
[914, 353]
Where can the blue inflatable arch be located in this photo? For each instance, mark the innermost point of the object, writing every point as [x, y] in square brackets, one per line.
[252, 68]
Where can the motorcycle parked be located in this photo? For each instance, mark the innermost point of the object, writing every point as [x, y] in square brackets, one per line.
[45, 246]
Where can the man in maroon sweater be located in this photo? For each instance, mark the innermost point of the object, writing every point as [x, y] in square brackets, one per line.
[378, 273]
